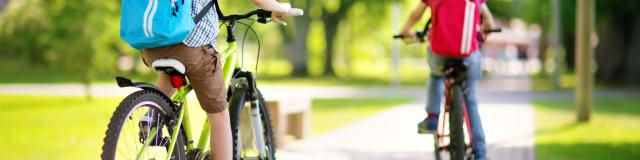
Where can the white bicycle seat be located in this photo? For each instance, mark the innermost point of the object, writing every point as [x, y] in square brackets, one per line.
[164, 64]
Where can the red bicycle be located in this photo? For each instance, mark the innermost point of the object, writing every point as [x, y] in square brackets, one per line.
[456, 140]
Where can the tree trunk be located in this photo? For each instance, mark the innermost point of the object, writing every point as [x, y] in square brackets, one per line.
[555, 43]
[86, 83]
[330, 29]
[633, 53]
[610, 52]
[584, 57]
[296, 48]
[331, 21]
[296, 42]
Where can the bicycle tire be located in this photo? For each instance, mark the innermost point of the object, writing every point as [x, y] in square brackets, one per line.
[457, 145]
[437, 152]
[239, 99]
[123, 112]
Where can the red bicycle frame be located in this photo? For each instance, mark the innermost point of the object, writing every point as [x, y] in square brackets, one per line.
[440, 131]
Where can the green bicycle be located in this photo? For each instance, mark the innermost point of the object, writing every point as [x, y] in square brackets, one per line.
[149, 125]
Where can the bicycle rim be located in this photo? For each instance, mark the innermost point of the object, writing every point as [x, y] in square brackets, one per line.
[129, 136]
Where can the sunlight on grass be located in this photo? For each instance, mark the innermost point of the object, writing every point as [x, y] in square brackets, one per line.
[50, 127]
[543, 83]
[60, 127]
[612, 132]
[328, 114]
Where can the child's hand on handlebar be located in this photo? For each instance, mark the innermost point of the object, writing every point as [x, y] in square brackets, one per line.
[408, 36]
[279, 16]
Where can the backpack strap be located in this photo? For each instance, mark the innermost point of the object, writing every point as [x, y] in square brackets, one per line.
[206, 9]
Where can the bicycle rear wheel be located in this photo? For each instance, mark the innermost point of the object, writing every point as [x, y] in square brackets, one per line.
[244, 137]
[457, 145]
[132, 125]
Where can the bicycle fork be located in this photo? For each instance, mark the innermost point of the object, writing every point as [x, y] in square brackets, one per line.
[450, 83]
[258, 130]
[256, 115]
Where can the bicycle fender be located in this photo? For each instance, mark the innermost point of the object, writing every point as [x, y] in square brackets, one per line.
[125, 82]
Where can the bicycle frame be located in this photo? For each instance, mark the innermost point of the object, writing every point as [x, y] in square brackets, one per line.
[229, 63]
[439, 136]
[230, 70]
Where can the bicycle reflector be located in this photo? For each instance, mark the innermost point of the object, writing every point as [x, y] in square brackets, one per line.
[177, 81]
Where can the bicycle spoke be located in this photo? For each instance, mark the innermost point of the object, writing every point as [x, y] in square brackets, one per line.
[148, 128]
[128, 124]
[155, 152]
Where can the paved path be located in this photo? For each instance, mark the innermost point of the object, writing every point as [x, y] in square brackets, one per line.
[508, 120]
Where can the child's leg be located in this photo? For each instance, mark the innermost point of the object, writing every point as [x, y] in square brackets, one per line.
[221, 142]
[435, 90]
[435, 93]
[477, 132]
[474, 73]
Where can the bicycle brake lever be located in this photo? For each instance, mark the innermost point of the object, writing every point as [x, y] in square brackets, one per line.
[283, 23]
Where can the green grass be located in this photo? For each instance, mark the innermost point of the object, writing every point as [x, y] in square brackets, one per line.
[62, 127]
[612, 133]
[47, 127]
[328, 114]
[543, 83]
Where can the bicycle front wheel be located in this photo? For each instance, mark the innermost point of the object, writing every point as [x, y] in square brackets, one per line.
[244, 127]
[457, 145]
[140, 129]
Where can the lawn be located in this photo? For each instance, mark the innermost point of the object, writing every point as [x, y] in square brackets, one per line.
[54, 127]
[328, 114]
[612, 133]
[43, 127]
[543, 83]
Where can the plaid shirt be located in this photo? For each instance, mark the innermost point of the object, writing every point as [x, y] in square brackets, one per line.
[206, 30]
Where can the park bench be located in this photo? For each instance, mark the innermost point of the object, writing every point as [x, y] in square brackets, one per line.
[290, 117]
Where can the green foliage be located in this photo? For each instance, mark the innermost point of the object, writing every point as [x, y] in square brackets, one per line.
[502, 9]
[78, 36]
[611, 133]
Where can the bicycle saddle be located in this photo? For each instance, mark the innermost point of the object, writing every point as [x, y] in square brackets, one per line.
[169, 66]
[456, 68]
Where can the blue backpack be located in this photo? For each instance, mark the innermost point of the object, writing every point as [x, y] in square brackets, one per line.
[155, 23]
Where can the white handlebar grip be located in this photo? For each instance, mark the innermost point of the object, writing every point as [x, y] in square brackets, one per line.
[296, 12]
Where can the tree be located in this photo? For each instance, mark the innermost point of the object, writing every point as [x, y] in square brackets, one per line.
[296, 39]
[584, 57]
[331, 17]
[78, 36]
[617, 56]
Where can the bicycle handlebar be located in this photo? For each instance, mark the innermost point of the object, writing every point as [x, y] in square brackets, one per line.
[421, 35]
[493, 30]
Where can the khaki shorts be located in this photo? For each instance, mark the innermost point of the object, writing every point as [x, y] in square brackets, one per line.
[203, 69]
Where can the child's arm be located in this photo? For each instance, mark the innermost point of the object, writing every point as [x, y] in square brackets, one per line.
[415, 16]
[487, 18]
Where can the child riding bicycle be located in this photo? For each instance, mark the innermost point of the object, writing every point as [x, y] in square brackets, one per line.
[197, 53]
[437, 60]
